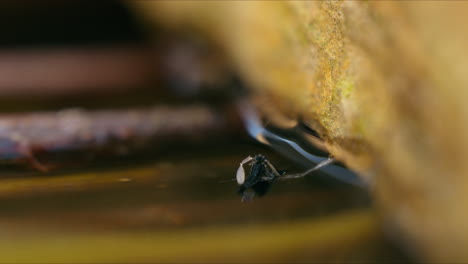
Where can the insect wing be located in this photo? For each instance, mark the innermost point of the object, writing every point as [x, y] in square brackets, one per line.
[240, 175]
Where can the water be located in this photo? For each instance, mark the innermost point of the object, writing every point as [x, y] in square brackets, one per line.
[172, 208]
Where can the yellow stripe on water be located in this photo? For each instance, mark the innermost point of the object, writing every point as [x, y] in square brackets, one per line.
[251, 243]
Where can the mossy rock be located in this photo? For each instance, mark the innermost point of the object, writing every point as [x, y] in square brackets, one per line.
[383, 83]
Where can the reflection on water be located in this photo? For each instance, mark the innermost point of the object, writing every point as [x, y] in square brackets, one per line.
[175, 209]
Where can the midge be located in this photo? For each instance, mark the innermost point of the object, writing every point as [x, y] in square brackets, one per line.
[262, 175]
[294, 141]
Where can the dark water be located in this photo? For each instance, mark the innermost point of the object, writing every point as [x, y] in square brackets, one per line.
[172, 208]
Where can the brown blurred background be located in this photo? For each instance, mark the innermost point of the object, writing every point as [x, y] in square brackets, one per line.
[163, 202]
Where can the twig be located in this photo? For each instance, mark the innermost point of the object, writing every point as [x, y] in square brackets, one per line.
[24, 136]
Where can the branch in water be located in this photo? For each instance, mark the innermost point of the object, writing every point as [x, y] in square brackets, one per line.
[23, 137]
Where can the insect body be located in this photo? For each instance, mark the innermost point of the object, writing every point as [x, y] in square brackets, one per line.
[262, 174]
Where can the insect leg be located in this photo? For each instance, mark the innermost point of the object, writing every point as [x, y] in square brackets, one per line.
[318, 166]
[244, 161]
[273, 169]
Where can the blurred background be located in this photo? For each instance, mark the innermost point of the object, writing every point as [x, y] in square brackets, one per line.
[118, 142]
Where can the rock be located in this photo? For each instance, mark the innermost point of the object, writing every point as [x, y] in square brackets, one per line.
[383, 83]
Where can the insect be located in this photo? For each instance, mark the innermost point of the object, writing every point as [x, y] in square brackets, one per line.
[263, 174]
[297, 143]
[260, 178]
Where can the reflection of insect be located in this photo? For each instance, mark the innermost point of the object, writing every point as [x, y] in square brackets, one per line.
[262, 174]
